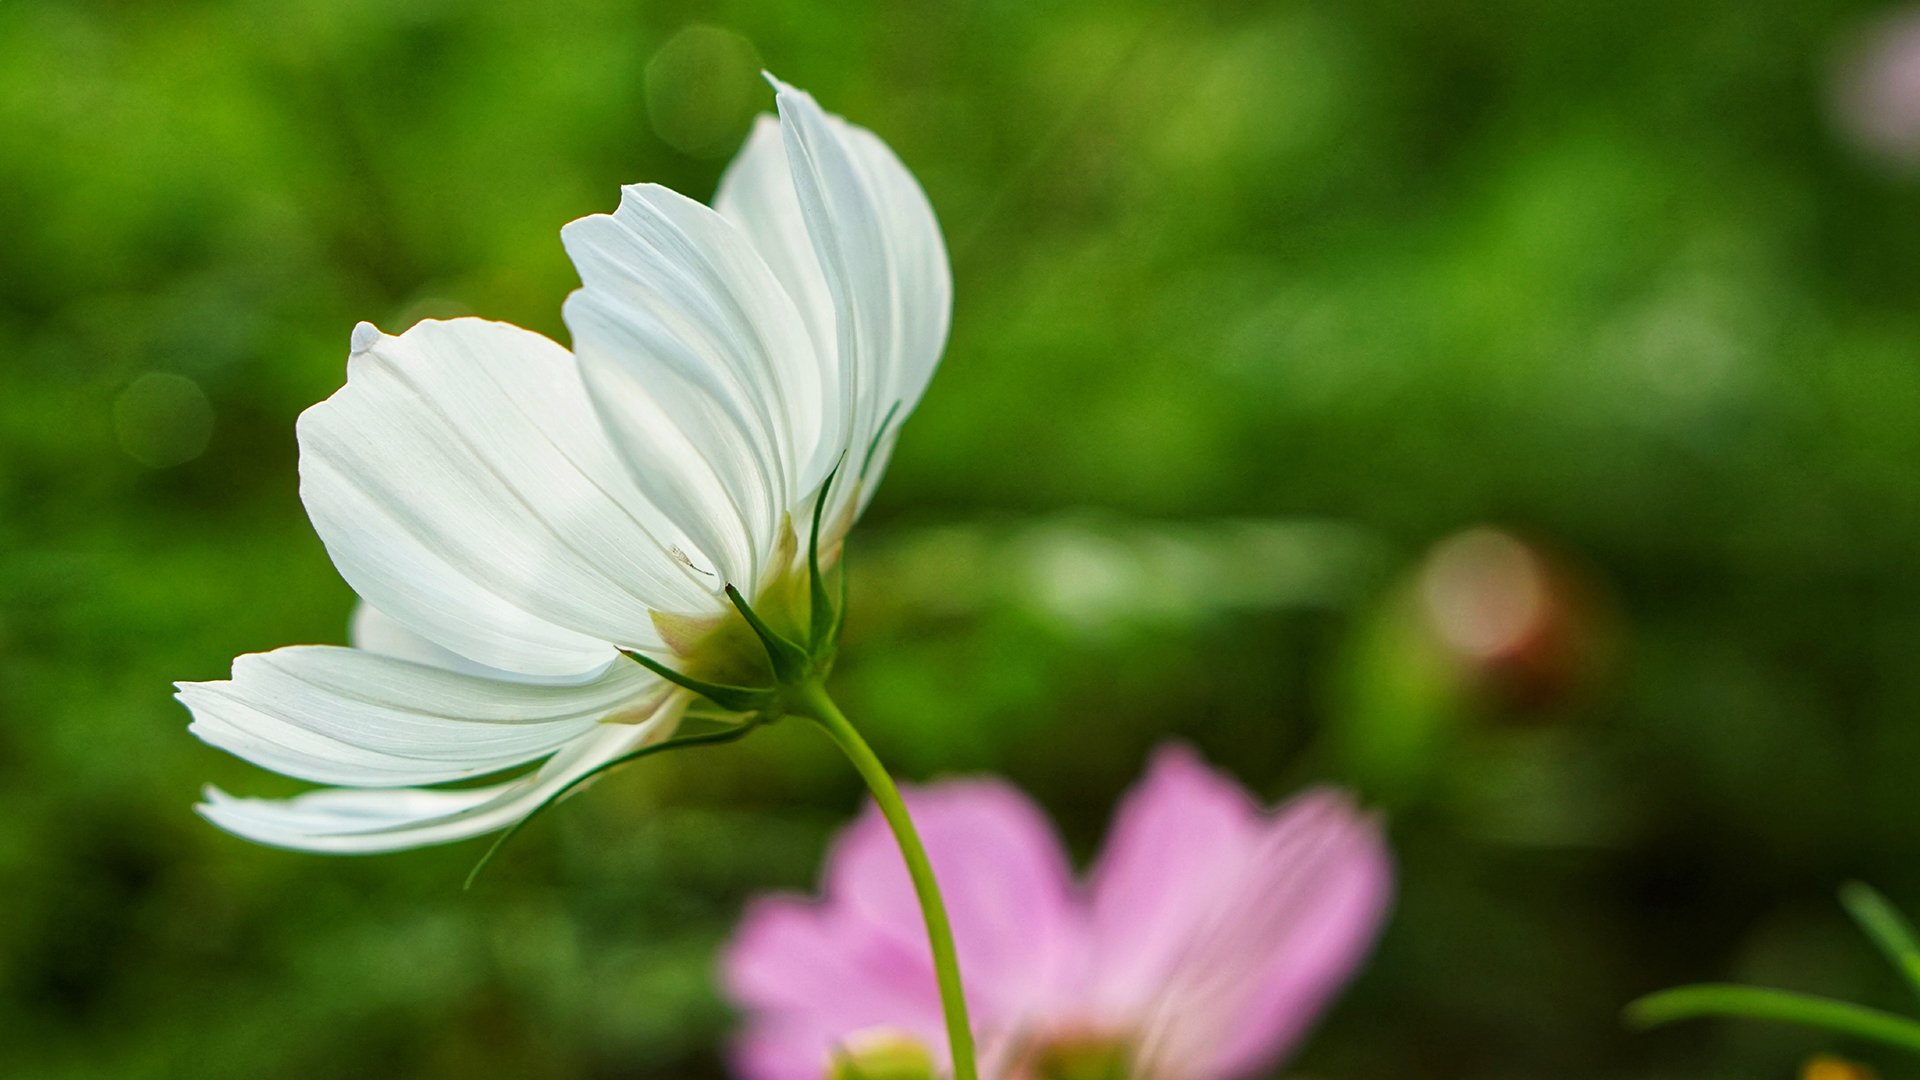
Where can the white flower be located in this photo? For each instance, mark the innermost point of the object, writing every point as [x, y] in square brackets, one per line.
[513, 515]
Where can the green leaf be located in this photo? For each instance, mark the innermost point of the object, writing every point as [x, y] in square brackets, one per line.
[1886, 926]
[711, 738]
[1758, 1003]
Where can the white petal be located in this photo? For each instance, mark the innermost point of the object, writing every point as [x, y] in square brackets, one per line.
[884, 262]
[701, 367]
[354, 822]
[462, 484]
[375, 631]
[756, 194]
[347, 716]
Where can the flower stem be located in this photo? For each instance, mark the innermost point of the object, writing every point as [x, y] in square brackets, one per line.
[814, 702]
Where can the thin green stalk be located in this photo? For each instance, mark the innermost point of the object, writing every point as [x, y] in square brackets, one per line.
[710, 738]
[812, 701]
[1757, 1003]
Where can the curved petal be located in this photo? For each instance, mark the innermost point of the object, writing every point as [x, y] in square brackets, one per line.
[1178, 840]
[1007, 884]
[347, 716]
[375, 631]
[1276, 947]
[756, 194]
[462, 484]
[342, 821]
[701, 368]
[884, 262]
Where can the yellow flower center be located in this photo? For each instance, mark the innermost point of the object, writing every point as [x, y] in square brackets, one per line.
[723, 648]
[1833, 1068]
[882, 1055]
[1083, 1057]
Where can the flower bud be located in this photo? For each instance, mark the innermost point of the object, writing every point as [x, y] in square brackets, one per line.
[1521, 626]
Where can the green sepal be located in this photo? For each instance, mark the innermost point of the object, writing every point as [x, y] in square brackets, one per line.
[745, 699]
[879, 433]
[711, 738]
[790, 662]
[821, 618]
[840, 613]
[1886, 926]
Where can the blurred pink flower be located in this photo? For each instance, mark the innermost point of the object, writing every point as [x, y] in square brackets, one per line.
[1208, 936]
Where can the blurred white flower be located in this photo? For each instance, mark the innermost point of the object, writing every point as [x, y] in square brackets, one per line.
[515, 515]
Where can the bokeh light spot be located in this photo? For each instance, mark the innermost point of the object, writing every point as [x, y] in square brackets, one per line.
[1876, 90]
[162, 419]
[703, 87]
[1485, 593]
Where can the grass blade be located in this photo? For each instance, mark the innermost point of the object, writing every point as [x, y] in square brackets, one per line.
[1889, 929]
[1757, 1003]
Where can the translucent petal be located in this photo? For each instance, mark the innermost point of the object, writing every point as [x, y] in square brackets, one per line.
[885, 266]
[347, 716]
[756, 194]
[363, 821]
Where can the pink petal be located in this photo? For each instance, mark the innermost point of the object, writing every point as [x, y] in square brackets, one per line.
[1215, 933]
[1007, 883]
[772, 1050]
[1277, 946]
[1178, 840]
[811, 974]
[791, 954]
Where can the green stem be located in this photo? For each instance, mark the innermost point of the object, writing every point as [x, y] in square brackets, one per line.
[814, 702]
[1757, 1003]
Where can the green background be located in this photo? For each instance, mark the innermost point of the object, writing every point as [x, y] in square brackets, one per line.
[1255, 305]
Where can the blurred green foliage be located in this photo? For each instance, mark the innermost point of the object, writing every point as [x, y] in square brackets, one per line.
[1256, 302]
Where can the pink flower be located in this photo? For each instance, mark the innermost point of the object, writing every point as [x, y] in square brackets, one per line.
[1207, 938]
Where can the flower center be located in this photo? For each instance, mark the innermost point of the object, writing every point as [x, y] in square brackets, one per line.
[882, 1054]
[723, 648]
[1083, 1057]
